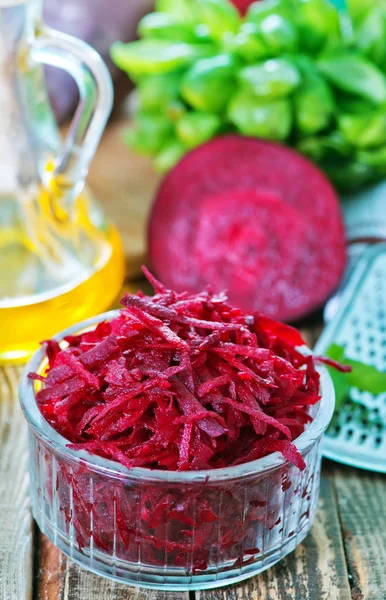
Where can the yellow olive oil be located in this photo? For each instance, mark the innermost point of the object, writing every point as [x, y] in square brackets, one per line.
[54, 272]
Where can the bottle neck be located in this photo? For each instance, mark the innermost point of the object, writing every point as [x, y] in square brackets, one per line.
[35, 10]
[19, 20]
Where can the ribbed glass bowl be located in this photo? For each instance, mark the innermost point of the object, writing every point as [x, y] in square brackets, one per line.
[170, 530]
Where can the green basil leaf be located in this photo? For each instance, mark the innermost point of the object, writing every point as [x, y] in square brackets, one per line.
[157, 91]
[195, 128]
[365, 378]
[184, 10]
[169, 156]
[364, 131]
[248, 43]
[220, 16]
[209, 83]
[350, 175]
[354, 74]
[162, 26]
[273, 78]
[328, 149]
[260, 118]
[318, 22]
[314, 105]
[375, 159]
[149, 134]
[258, 11]
[341, 384]
[370, 37]
[279, 34]
[147, 57]
[359, 9]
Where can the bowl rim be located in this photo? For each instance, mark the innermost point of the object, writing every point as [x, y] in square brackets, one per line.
[44, 431]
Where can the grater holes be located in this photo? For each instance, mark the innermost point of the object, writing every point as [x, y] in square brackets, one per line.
[362, 332]
[335, 430]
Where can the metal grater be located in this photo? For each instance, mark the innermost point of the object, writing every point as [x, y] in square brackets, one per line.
[365, 213]
[365, 222]
[359, 325]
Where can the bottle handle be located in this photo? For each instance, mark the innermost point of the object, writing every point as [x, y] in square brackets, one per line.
[96, 94]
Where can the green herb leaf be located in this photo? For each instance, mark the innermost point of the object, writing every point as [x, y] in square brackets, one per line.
[340, 380]
[354, 74]
[270, 119]
[184, 10]
[209, 83]
[274, 78]
[365, 378]
[147, 57]
[195, 128]
[162, 26]
[313, 101]
[220, 16]
[365, 130]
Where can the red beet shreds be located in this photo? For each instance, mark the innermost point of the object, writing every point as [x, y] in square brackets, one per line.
[254, 218]
[181, 382]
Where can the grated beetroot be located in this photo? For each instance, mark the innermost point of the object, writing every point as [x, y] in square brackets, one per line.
[176, 372]
[176, 382]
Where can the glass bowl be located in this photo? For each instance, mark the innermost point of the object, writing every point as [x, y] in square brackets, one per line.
[170, 530]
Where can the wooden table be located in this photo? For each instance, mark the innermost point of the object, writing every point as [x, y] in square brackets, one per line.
[344, 556]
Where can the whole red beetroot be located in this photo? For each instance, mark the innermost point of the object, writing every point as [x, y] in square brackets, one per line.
[254, 218]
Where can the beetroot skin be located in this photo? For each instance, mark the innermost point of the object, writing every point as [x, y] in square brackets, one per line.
[243, 5]
[254, 218]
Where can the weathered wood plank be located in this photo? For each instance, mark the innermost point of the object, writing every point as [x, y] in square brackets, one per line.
[60, 579]
[315, 571]
[15, 516]
[82, 585]
[361, 498]
[50, 576]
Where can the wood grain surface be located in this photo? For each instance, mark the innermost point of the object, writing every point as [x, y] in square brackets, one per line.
[361, 503]
[60, 579]
[343, 558]
[15, 515]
